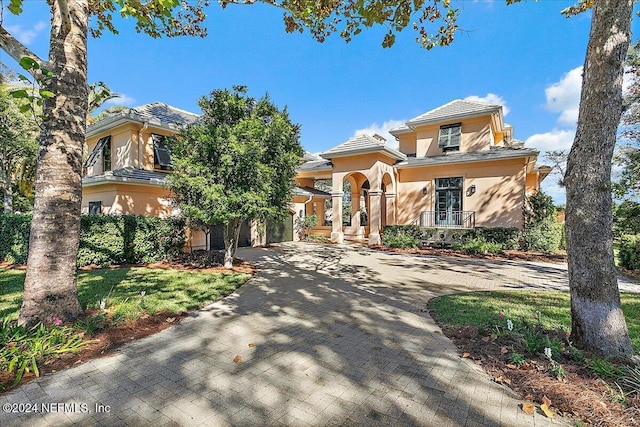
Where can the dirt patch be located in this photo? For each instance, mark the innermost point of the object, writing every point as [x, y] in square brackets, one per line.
[581, 396]
[558, 257]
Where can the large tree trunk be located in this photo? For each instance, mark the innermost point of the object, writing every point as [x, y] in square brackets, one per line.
[231, 236]
[597, 323]
[50, 285]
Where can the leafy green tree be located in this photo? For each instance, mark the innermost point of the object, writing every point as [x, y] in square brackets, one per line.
[237, 163]
[18, 150]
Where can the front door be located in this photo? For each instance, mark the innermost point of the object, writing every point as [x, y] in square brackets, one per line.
[449, 202]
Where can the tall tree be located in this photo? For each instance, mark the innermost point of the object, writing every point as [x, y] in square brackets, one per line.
[237, 163]
[597, 321]
[50, 285]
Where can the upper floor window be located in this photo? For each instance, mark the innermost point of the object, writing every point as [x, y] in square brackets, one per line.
[99, 149]
[161, 153]
[106, 156]
[450, 136]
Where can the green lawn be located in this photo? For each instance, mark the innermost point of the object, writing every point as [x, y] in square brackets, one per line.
[482, 308]
[121, 290]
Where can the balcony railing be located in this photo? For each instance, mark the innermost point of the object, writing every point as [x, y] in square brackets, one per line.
[448, 219]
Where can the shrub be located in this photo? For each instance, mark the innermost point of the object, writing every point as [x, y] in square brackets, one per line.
[544, 235]
[14, 238]
[104, 239]
[506, 237]
[402, 236]
[630, 252]
[305, 224]
[479, 245]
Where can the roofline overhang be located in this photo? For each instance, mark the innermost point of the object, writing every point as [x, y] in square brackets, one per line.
[413, 124]
[110, 179]
[124, 118]
[387, 151]
[453, 162]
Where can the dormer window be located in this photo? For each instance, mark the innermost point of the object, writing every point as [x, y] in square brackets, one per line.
[450, 136]
[161, 154]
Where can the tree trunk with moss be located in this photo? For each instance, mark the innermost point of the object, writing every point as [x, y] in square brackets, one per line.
[598, 323]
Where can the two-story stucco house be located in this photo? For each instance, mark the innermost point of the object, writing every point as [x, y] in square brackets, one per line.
[456, 166]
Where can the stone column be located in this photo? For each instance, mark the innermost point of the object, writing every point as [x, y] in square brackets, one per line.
[337, 236]
[374, 217]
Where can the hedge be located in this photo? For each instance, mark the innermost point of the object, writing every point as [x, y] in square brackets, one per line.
[402, 236]
[411, 236]
[104, 239]
[630, 252]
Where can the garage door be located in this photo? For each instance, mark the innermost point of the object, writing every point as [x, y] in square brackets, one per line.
[280, 231]
[217, 236]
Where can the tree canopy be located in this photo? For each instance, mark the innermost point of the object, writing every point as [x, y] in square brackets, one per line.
[237, 163]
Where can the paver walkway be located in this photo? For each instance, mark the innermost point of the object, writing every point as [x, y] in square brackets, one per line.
[327, 335]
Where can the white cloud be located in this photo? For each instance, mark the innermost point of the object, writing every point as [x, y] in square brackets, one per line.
[382, 130]
[564, 97]
[552, 140]
[121, 100]
[491, 98]
[26, 35]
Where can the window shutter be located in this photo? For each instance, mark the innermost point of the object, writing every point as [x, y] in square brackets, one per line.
[95, 153]
[162, 153]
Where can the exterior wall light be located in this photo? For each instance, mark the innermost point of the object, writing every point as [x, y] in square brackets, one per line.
[471, 190]
[425, 191]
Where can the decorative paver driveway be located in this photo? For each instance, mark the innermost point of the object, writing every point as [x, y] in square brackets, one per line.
[322, 335]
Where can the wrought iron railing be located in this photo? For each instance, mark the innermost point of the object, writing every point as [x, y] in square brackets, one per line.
[446, 219]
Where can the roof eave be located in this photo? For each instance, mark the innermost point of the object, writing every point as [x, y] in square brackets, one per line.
[389, 152]
[448, 119]
[110, 179]
[454, 161]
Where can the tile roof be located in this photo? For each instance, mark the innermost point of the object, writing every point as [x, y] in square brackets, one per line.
[165, 114]
[362, 144]
[454, 110]
[128, 174]
[475, 156]
[310, 157]
[316, 165]
[308, 191]
[155, 113]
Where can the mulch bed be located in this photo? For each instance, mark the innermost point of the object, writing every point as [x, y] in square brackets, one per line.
[582, 396]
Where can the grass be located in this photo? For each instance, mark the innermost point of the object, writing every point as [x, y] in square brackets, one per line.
[124, 293]
[482, 308]
[121, 290]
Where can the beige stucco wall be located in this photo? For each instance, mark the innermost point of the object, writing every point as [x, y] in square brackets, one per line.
[477, 135]
[124, 149]
[128, 199]
[532, 183]
[497, 201]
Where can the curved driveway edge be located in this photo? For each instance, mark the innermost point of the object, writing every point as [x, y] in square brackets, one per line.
[322, 335]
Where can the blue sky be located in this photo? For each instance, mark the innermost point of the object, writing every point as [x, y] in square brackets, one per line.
[526, 57]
